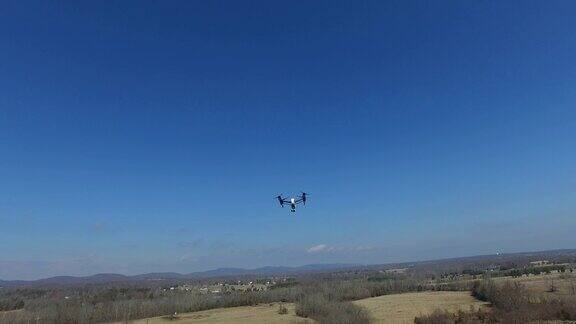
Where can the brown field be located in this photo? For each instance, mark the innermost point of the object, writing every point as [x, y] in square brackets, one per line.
[400, 308]
[542, 284]
[8, 313]
[403, 308]
[267, 313]
[11, 312]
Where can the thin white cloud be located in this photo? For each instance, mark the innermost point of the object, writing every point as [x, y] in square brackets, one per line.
[364, 248]
[323, 248]
[188, 257]
[320, 248]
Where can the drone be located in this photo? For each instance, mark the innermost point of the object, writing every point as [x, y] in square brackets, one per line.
[292, 201]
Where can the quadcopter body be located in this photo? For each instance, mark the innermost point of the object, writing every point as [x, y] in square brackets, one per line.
[292, 202]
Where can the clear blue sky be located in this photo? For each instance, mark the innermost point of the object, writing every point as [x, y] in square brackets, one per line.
[153, 135]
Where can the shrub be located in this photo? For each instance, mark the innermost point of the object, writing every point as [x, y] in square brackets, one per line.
[444, 317]
[328, 301]
[282, 310]
[511, 303]
[324, 310]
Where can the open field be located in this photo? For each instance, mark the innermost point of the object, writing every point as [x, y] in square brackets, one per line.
[16, 311]
[267, 313]
[547, 284]
[403, 308]
[398, 308]
[545, 293]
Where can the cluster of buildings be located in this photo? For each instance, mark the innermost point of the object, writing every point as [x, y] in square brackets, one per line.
[224, 287]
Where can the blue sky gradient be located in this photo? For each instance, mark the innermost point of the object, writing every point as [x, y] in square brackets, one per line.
[141, 136]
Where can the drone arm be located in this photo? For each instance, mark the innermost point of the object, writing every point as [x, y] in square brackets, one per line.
[301, 199]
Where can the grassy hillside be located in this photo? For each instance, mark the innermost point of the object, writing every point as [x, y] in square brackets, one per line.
[264, 314]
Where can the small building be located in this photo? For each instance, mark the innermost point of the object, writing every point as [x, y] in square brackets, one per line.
[540, 263]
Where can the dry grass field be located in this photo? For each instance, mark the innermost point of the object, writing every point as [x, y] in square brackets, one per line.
[10, 312]
[267, 313]
[396, 308]
[403, 308]
[547, 284]
[399, 308]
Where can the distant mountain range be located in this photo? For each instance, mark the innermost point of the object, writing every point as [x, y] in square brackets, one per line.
[216, 273]
[565, 255]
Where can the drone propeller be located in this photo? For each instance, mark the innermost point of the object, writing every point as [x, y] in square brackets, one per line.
[280, 200]
[303, 195]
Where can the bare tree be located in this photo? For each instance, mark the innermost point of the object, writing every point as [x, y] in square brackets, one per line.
[551, 285]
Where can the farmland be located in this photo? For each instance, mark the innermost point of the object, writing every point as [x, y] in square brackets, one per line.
[403, 308]
[265, 313]
[397, 293]
[397, 308]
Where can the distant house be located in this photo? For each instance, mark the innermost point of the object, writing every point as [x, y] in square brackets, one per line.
[539, 263]
[493, 267]
[396, 271]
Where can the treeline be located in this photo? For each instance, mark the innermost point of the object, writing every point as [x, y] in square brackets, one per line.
[316, 299]
[506, 272]
[536, 270]
[329, 301]
[11, 303]
[16, 298]
[324, 310]
[511, 303]
[316, 296]
[75, 310]
[480, 265]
